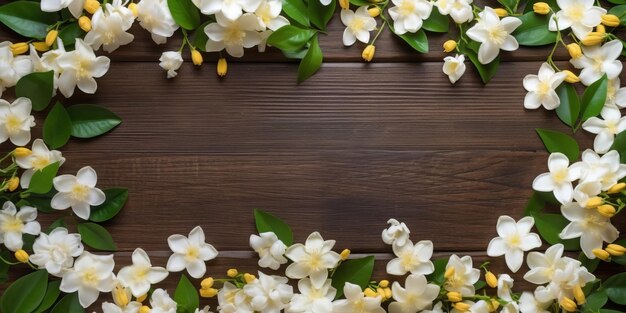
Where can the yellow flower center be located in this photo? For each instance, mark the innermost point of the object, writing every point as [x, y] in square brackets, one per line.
[544, 88]
[90, 277]
[407, 7]
[83, 69]
[192, 253]
[234, 35]
[514, 240]
[611, 126]
[497, 34]
[12, 224]
[39, 162]
[80, 192]
[12, 123]
[315, 260]
[576, 12]
[357, 24]
[264, 13]
[560, 175]
[407, 261]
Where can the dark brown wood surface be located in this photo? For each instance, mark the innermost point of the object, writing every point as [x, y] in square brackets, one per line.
[341, 153]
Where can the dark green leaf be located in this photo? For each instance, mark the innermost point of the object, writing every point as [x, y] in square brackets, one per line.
[27, 19]
[360, 3]
[186, 296]
[185, 13]
[25, 294]
[56, 224]
[199, 37]
[297, 11]
[596, 301]
[591, 265]
[96, 236]
[115, 201]
[290, 38]
[511, 5]
[356, 271]
[38, 87]
[620, 145]
[311, 62]
[559, 142]
[4, 268]
[52, 293]
[550, 226]
[266, 222]
[569, 109]
[41, 182]
[618, 1]
[41, 203]
[69, 34]
[480, 285]
[440, 269]
[619, 11]
[320, 14]
[615, 288]
[89, 120]
[594, 98]
[417, 40]
[68, 304]
[486, 71]
[437, 22]
[534, 30]
[535, 204]
[57, 127]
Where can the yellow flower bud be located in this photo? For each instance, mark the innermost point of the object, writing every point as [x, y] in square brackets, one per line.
[121, 296]
[449, 46]
[601, 254]
[13, 183]
[369, 292]
[613, 252]
[454, 296]
[208, 293]
[571, 77]
[461, 306]
[501, 12]
[368, 53]
[568, 304]
[345, 254]
[91, 6]
[22, 152]
[541, 8]
[51, 37]
[222, 67]
[574, 50]
[594, 38]
[133, 8]
[449, 272]
[19, 48]
[142, 298]
[144, 309]
[232, 273]
[616, 188]
[601, 29]
[606, 210]
[594, 202]
[207, 283]
[41, 46]
[383, 283]
[21, 256]
[381, 292]
[493, 305]
[579, 295]
[344, 4]
[491, 279]
[196, 57]
[84, 23]
[610, 20]
[616, 247]
[374, 11]
[388, 293]
[248, 277]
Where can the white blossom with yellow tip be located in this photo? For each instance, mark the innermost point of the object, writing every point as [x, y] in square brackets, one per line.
[91, 275]
[14, 223]
[416, 295]
[79, 68]
[141, 275]
[592, 227]
[357, 302]
[559, 179]
[513, 239]
[16, 121]
[312, 259]
[37, 160]
[78, 192]
[462, 275]
[190, 253]
[414, 258]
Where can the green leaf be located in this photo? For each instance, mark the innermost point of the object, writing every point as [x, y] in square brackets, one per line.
[591, 265]
[266, 222]
[60, 222]
[199, 37]
[38, 87]
[559, 142]
[360, 3]
[89, 120]
[569, 109]
[594, 98]
[534, 30]
[320, 14]
[480, 285]
[535, 204]
[618, 1]
[41, 182]
[68, 304]
[437, 22]
[417, 40]
[551, 3]
[486, 71]
[550, 226]
[311, 62]
[619, 11]
[297, 11]
[41, 202]
[185, 13]
[440, 270]
[96, 236]
[115, 201]
[69, 34]
[4, 268]
[290, 38]
[511, 5]
[186, 296]
[52, 293]
[57, 127]
[615, 288]
[27, 19]
[355, 271]
[620, 145]
[596, 301]
[25, 294]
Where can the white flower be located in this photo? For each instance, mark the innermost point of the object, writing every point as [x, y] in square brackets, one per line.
[91, 275]
[233, 35]
[586, 190]
[12, 68]
[131, 307]
[493, 34]
[356, 302]
[79, 68]
[528, 304]
[155, 17]
[581, 15]
[233, 300]
[358, 25]
[592, 228]
[16, 121]
[109, 26]
[505, 283]
[475, 307]
[48, 61]
[311, 299]
[560, 178]
[230, 9]
[139, 276]
[78, 192]
[599, 60]
[75, 6]
[436, 309]
[412, 258]
[270, 249]
[40, 157]
[543, 265]
[611, 124]
[460, 10]
[206, 309]
[312, 259]
[396, 234]
[161, 302]
[417, 295]
[615, 96]
[606, 169]
[171, 62]
[269, 293]
[511, 307]
[269, 16]
[565, 278]
[464, 276]
[541, 88]
[190, 253]
[454, 67]
[409, 15]
[514, 238]
[56, 252]
[13, 224]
